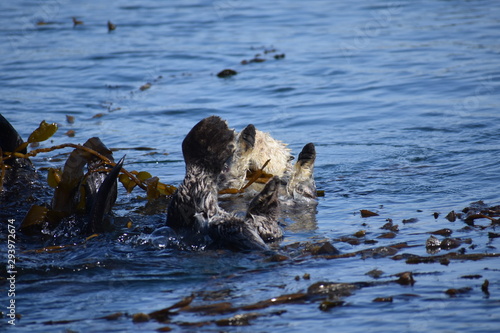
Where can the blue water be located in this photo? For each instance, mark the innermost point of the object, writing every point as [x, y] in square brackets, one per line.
[400, 98]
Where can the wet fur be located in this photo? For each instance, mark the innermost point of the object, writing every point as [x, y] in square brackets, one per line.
[254, 148]
[301, 183]
[194, 211]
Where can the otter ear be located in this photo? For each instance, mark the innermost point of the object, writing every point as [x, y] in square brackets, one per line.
[246, 139]
[209, 144]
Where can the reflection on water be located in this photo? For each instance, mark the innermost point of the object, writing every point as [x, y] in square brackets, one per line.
[400, 100]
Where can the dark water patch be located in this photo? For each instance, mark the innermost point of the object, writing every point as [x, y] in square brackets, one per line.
[430, 129]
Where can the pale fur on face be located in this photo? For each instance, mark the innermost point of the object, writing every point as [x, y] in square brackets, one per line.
[266, 147]
[251, 156]
[252, 159]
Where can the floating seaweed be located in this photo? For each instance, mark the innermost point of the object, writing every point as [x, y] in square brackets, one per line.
[92, 193]
[76, 22]
[383, 299]
[375, 273]
[227, 73]
[453, 292]
[111, 26]
[416, 259]
[484, 287]
[367, 213]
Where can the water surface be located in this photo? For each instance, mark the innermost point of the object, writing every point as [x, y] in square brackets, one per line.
[400, 98]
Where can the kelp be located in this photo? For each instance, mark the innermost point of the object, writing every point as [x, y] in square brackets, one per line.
[103, 200]
[367, 213]
[74, 185]
[416, 259]
[254, 177]
[93, 193]
[76, 191]
[45, 131]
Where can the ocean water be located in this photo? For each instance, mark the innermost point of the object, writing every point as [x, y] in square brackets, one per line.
[401, 100]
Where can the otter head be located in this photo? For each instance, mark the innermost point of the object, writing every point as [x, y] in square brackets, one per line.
[209, 144]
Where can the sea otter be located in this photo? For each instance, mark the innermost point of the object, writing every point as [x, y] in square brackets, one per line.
[214, 154]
